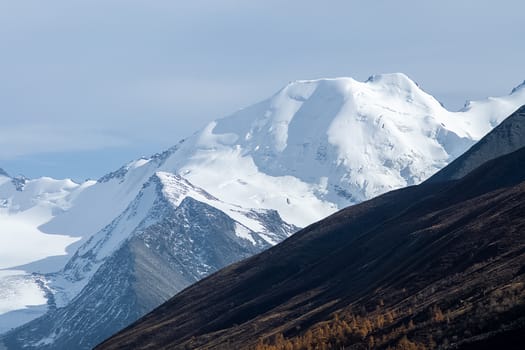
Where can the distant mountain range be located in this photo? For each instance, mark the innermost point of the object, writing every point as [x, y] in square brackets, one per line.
[85, 260]
[438, 265]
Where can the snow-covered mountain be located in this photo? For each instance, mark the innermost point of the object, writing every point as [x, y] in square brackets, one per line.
[312, 148]
[170, 236]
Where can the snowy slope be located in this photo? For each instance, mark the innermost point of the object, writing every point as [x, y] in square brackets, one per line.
[21, 299]
[309, 150]
[24, 206]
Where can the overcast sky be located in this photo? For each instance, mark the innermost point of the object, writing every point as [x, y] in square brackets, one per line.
[86, 86]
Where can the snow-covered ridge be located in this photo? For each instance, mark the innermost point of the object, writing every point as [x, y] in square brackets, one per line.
[518, 88]
[157, 199]
[175, 188]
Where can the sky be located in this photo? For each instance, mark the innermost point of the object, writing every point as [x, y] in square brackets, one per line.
[88, 85]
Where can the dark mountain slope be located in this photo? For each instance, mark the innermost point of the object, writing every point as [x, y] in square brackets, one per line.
[507, 137]
[441, 259]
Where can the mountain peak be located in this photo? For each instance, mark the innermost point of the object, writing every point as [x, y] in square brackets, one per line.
[348, 85]
[4, 173]
[518, 88]
[347, 139]
[399, 79]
